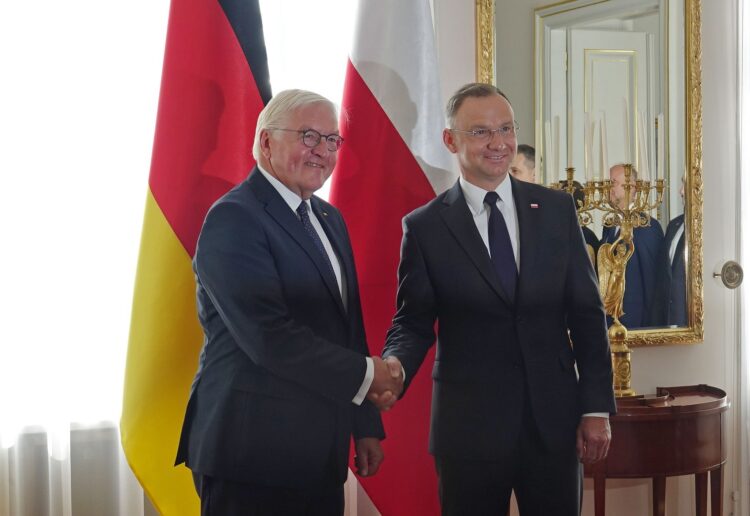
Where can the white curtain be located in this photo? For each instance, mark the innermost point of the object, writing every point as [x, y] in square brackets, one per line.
[62, 472]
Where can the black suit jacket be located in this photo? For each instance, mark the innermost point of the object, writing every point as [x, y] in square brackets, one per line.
[282, 357]
[670, 298]
[491, 351]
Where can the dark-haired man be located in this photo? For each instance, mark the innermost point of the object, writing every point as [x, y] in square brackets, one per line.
[501, 266]
[523, 166]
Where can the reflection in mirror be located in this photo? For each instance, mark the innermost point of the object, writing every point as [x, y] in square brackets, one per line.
[621, 62]
[617, 62]
[630, 71]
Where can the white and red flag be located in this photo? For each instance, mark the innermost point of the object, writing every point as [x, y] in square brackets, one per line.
[393, 161]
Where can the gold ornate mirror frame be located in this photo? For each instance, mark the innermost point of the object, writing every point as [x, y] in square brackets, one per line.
[485, 72]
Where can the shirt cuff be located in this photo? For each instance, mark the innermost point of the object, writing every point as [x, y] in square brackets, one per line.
[597, 414]
[369, 376]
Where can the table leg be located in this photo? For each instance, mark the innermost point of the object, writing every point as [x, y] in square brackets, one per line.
[659, 485]
[717, 491]
[701, 494]
[600, 484]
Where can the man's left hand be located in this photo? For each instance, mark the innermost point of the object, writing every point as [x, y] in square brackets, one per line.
[369, 456]
[592, 439]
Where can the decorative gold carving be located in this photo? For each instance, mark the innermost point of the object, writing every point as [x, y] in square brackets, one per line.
[693, 193]
[485, 45]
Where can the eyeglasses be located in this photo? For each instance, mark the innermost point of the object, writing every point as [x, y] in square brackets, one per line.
[311, 138]
[483, 134]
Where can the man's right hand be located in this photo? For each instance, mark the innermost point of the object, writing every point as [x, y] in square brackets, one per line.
[387, 384]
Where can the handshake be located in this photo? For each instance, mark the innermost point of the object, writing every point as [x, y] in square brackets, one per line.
[387, 384]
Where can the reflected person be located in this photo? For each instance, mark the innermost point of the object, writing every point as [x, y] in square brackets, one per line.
[592, 241]
[283, 375]
[523, 166]
[670, 299]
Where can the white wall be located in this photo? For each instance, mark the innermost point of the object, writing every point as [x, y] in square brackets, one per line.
[714, 360]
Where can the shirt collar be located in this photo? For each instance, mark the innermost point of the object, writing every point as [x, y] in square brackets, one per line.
[291, 198]
[474, 195]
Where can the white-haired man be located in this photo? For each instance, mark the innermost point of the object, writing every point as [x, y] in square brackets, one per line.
[283, 377]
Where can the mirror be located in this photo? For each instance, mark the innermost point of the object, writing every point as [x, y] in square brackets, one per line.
[601, 59]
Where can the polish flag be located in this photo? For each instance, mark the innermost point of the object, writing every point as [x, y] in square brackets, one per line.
[393, 161]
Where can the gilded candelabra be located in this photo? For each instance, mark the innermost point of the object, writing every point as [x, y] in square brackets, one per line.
[612, 258]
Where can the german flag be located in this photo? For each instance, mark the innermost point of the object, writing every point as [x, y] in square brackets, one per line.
[214, 83]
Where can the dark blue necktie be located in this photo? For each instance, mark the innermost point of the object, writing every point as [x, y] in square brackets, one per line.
[501, 250]
[310, 230]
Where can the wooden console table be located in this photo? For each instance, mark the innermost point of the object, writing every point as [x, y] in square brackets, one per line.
[678, 431]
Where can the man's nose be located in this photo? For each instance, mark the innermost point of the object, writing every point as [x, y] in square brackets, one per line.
[321, 148]
[496, 141]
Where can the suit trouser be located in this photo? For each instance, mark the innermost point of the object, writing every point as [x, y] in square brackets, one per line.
[545, 483]
[220, 497]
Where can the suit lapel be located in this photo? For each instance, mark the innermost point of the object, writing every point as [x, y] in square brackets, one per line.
[457, 217]
[279, 211]
[528, 210]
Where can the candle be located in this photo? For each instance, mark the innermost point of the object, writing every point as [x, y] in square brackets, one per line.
[626, 127]
[556, 169]
[587, 150]
[537, 148]
[603, 143]
[548, 152]
[660, 153]
[643, 148]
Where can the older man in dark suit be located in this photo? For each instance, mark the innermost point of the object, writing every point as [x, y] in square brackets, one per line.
[501, 266]
[283, 374]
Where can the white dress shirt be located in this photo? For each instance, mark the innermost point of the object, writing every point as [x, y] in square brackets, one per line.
[481, 212]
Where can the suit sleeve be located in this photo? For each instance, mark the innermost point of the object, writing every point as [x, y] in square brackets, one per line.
[235, 264]
[588, 328]
[412, 332]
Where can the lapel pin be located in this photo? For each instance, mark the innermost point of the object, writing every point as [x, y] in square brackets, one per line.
[534, 205]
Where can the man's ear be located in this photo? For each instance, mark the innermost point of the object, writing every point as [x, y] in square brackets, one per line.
[265, 143]
[449, 140]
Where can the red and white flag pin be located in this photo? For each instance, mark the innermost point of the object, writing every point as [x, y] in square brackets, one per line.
[534, 205]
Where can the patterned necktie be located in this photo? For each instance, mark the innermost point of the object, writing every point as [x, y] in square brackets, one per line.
[501, 250]
[310, 230]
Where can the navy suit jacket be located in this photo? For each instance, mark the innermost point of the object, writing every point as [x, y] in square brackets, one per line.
[670, 299]
[271, 403]
[490, 351]
[640, 274]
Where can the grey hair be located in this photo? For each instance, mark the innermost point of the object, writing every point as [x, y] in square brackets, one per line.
[473, 89]
[278, 109]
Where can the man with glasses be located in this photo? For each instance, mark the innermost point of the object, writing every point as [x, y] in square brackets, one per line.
[500, 266]
[283, 376]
